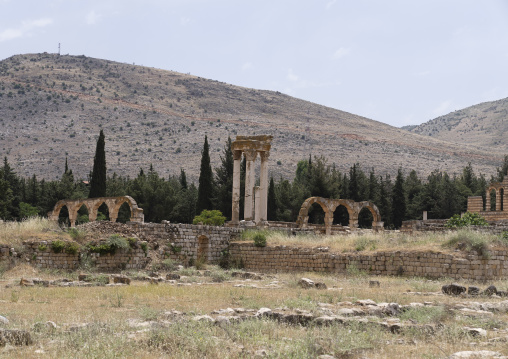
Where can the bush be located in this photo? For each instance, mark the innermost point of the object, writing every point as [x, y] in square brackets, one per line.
[211, 218]
[71, 248]
[76, 234]
[260, 240]
[26, 210]
[57, 246]
[111, 245]
[468, 219]
[469, 241]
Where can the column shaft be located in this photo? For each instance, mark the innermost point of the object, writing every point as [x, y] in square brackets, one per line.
[263, 184]
[235, 212]
[249, 184]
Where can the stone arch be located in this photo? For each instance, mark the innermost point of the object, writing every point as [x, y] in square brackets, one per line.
[92, 204]
[376, 215]
[203, 249]
[303, 215]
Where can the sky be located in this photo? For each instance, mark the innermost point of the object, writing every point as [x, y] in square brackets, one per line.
[395, 61]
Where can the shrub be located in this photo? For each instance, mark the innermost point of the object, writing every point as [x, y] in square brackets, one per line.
[26, 210]
[42, 247]
[260, 240]
[213, 218]
[468, 219]
[71, 248]
[467, 240]
[111, 245]
[76, 234]
[57, 246]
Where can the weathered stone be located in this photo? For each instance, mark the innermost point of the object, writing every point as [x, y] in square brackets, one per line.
[472, 290]
[172, 276]
[453, 289]
[476, 332]
[262, 312]
[490, 290]
[306, 283]
[3, 320]
[203, 318]
[374, 283]
[26, 282]
[16, 336]
[321, 285]
[121, 280]
[480, 354]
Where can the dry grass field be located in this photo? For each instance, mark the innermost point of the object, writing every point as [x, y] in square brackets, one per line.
[210, 313]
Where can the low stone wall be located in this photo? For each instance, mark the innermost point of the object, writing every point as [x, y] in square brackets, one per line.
[42, 255]
[421, 264]
[438, 225]
[184, 242]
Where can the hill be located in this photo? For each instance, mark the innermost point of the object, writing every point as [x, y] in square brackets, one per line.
[54, 106]
[483, 125]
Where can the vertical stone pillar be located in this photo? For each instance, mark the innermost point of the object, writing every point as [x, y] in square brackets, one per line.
[250, 156]
[487, 200]
[498, 200]
[257, 204]
[263, 182]
[424, 215]
[328, 223]
[235, 212]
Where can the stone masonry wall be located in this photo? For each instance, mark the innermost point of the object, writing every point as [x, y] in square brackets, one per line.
[421, 264]
[185, 241]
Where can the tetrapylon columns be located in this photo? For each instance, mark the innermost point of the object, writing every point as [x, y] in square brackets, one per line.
[255, 206]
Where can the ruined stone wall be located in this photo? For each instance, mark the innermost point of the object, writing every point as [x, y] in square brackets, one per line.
[41, 254]
[421, 264]
[438, 225]
[185, 241]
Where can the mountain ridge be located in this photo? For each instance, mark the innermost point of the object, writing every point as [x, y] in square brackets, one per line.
[53, 107]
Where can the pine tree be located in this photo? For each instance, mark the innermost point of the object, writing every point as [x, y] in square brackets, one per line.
[205, 189]
[98, 181]
[398, 200]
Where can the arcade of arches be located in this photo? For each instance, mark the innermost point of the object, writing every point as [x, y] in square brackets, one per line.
[498, 193]
[93, 204]
[330, 205]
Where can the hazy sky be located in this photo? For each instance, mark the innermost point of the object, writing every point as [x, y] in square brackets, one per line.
[399, 62]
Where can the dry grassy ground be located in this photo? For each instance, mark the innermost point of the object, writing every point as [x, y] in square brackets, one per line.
[133, 321]
[159, 320]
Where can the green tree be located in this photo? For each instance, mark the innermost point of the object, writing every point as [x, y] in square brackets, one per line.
[398, 200]
[98, 181]
[183, 179]
[6, 199]
[205, 188]
[271, 202]
[224, 181]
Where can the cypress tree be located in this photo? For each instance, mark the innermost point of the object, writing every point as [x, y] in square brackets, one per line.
[98, 181]
[224, 181]
[398, 200]
[205, 189]
[183, 179]
[272, 201]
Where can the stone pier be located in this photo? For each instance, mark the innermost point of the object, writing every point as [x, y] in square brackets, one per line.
[255, 205]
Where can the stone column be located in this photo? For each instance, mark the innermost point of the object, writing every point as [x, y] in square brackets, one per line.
[257, 204]
[235, 212]
[263, 184]
[498, 200]
[487, 200]
[328, 223]
[250, 155]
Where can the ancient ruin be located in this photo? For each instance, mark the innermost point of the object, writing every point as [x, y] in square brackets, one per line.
[499, 191]
[93, 204]
[330, 205]
[255, 208]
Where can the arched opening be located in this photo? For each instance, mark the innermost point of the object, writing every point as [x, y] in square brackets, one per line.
[501, 198]
[365, 218]
[341, 216]
[316, 214]
[492, 200]
[82, 215]
[203, 246]
[63, 217]
[103, 212]
[124, 213]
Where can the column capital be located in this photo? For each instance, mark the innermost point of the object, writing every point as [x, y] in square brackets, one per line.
[264, 155]
[237, 155]
[250, 155]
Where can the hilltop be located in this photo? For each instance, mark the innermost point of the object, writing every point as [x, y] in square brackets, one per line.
[483, 125]
[54, 106]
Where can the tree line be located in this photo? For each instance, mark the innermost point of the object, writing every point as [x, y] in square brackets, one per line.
[403, 198]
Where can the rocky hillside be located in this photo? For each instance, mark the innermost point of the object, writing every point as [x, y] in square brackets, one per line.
[54, 106]
[484, 125]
